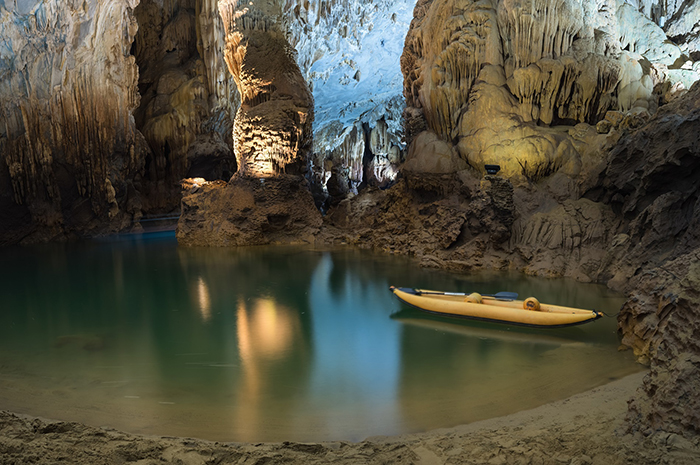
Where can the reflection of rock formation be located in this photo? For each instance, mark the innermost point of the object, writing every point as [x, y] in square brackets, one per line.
[272, 129]
[266, 331]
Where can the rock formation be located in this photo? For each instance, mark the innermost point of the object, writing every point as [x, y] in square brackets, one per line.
[492, 79]
[70, 149]
[267, 201]
[348, 52]
[101, 121]
[651, 181]
[188, 97]
[273, 126]
[248, 211]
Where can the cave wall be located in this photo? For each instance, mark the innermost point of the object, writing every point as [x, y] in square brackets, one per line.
[348, 52]
[106, 106]
[188, 97]
[651, 181]
[70, 153]
[501, 82]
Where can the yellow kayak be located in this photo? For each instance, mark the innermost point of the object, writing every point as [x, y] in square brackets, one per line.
[501, 308]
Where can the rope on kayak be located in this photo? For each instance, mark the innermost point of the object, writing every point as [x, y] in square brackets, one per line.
[611, 316]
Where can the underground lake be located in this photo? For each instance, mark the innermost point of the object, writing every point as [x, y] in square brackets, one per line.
[276, 343]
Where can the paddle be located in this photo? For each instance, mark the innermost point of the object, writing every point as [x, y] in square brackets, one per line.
[498, 295]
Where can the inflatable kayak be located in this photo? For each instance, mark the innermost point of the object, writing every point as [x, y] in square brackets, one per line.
[500, 308]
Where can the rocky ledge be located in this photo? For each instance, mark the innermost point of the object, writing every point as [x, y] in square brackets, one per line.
[247, 211]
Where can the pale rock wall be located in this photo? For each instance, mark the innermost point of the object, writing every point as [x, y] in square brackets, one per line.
[82, 83]
[496, 79]
[68, 143]
[676, 17]
[683, 26]
[348, 51]
[640, 35]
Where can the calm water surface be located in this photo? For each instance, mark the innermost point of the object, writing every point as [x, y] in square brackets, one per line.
[271, 344]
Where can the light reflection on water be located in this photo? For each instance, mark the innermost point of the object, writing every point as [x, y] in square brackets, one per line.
[270, 344]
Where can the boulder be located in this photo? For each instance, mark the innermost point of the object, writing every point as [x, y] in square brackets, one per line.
[247, 211]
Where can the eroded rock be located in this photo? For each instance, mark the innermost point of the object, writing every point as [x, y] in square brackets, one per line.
[273, 126]
[247, 211]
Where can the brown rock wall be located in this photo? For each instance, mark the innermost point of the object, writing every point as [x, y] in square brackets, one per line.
[248, 211]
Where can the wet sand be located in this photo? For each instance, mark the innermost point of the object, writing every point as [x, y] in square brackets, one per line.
[587, 428]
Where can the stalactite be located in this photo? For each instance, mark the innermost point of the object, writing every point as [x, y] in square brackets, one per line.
[67, 122]
[452, 42]
[535, 29]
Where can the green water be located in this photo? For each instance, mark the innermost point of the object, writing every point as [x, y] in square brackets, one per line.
[272, 344]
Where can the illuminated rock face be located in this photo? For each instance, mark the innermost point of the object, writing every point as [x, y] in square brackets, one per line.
[492, 80]
[273, 126]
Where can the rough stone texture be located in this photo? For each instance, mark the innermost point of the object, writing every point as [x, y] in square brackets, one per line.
[247, 211]
[81, 84]
[69, 150]
[447, 220]
[273, 126]
[188, 97]
[490, 78]
[652, 182]
[566, 240]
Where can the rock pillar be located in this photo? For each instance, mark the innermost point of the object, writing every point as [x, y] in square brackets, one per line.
[272, 130]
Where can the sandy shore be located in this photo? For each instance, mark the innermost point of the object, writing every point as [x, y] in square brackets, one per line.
[587, 428]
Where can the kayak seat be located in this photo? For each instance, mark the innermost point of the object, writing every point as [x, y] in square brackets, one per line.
[531, 304]
[474, 298]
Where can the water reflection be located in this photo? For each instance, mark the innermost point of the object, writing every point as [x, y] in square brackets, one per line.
[356, 366]
[273, 343]
[203, 300]
[265, 332]
[483, 330]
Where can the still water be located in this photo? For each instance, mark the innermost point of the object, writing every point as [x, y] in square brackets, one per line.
[272, 344]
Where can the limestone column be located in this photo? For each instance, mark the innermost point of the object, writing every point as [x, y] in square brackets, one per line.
[272, 131]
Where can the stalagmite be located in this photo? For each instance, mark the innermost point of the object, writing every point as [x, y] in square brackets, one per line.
[273, 127]
[188, 97]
